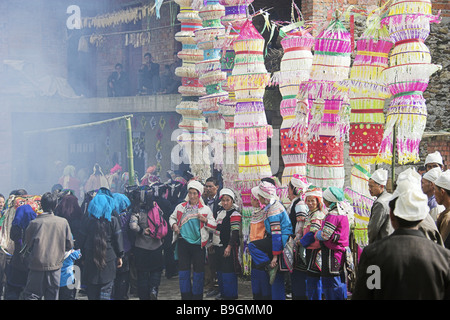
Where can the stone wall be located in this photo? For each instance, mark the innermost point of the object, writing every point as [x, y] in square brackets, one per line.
[438, 92]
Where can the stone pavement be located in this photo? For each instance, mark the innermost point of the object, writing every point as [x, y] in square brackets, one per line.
[169, 289]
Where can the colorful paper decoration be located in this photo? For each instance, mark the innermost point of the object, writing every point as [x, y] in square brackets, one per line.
[211, 76]
[234, 18]
[249, 79]
[328, 107]
[295, 68]
[194, 138]
[367, 93]
[407, 78]
[210, 72]
[361, 207]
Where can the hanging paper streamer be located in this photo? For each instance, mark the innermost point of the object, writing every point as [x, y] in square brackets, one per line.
[361, 207]
[209, 70]
[129, 15]
[249, 79]
[295, 68]
[367, 93]
[407, 78]
[250, 131]
[233, 20]
[328, 107]
[194, 138]
[211, 75]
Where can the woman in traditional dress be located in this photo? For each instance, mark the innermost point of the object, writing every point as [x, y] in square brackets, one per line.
[265, 252]
[226, 240]
[191, 222]
[298, 212]
[259, 278]
[312, 258]
[334, 241]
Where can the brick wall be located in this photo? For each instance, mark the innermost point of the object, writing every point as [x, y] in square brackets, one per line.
[437, 142]
[162, 46]
[443, 5]
[318, 9]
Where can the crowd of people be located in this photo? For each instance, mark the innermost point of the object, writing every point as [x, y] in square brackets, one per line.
[192, 230]
[150, 79]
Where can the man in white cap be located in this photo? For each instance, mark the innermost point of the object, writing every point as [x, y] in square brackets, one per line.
[442, 193]
[434, 160]
[386, 271]
[379, 225]
[428, 180]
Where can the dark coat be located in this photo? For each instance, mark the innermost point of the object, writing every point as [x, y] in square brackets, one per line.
[410, 266]
[114, 250]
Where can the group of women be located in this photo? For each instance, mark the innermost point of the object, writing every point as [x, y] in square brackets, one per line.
[192, 222]
[316, 225]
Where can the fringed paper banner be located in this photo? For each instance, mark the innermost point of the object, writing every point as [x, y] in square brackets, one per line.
[410, 77]
[191, 55]
[248, 46]
[195, 139]
[367, 110]
[209, 103]
[130, 15]
[206, 66]
[212, 11]
[292, 77]
[138, 39]
[292, 146]
[359, 179]
[302, 117]
[322, 176]
[325, 162]
[364, 141]
[409, 128]
[361, 206]
[214, 79]
[289, 89]
[328, 117]
[258, 80]
[402, 7]
[287, 109]
[192, 91]
[319, 89]
[205, 36]
[410, 52]
[291, 169]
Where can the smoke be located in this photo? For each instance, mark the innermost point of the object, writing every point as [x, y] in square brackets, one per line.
[43, 79]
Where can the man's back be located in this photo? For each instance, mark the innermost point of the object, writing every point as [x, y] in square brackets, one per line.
[48, 237]
[404, 265]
